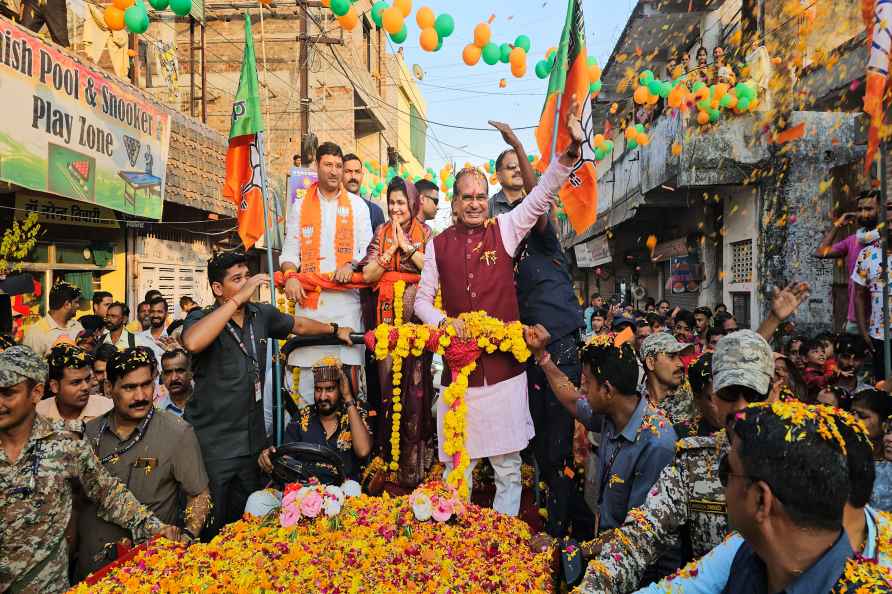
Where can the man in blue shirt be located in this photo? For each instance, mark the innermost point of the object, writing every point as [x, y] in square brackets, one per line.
[786, 481]
[545, 296]
[637, 440]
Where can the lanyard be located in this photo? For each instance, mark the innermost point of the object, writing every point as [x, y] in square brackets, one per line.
[230, 325]
[605, 476]
[134, 439]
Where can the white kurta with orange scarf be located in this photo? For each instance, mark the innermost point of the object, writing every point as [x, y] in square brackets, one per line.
[339, 307]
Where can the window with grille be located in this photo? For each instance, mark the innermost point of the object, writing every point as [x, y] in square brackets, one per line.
[742, 261]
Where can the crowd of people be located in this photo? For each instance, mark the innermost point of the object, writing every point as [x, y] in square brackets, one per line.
[653, 431]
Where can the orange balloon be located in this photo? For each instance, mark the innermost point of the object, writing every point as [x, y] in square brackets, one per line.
[429, 39]
[482, 34]
[349, 20]
[733, 102]
[643, 139]
[720, 90]
[519, 71]
[754, 103]
[122, 4]
[131, 53]
[326, 3]
[652, 100]
[114, 18]
[641, 95]
[594, 73]
[503, 83]
[651, 242]
[392, 19]
[674, 98]
[702, 118]
[676, 146]
[405, 6]
[631, 132]
[598, 139]
[517, 57]
[425, 17]
[701, 94]
[471, 54]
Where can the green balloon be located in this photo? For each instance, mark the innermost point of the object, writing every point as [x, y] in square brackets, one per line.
[491, 53]
[595, 87]
[645, 77]
[665, 87]
[725, 101]
[600, 154]
[444, 25]
[159, 4]
[592, 61]
[450, 181]
[704, 104]
[631, 144]
[364, 190]
[552, 58]
[653, 85]
[136, 18]
[400, 36]
[181, 7]
[504, 53]
[608, 146]
[713, 115]
[542, 69]
[524, 42]
[639, 128]
[743, 103]
[530, 158]
[377, 9]
[340, 7]
[439, 44]
[697, 86]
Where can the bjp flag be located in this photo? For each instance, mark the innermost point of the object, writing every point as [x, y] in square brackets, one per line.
[244, 182]
[569, 77]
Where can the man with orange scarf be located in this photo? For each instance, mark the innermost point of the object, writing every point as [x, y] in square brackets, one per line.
[326, 233]
[473, 264]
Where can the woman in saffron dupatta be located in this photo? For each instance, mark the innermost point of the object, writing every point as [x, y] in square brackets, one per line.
[393, 265]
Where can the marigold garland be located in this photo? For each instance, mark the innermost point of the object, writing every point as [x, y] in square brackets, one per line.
[376, 545]
[485, 334]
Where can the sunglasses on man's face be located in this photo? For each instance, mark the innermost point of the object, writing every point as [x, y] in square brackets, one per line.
[734, 394]
[432, 198]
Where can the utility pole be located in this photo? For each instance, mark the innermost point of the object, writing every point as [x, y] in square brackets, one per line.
[304, 63]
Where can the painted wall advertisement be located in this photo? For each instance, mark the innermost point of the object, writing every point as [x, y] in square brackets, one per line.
[71, 130]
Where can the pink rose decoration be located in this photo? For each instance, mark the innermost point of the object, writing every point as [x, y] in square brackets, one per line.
[289, 517]
[311, 504]
[442, 509]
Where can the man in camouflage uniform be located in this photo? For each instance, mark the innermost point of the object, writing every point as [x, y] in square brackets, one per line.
[38, 461]
[688, 495]
[665, 384]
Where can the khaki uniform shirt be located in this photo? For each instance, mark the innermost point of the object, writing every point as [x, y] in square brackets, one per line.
[161, 470]
[35, 506]
[96, 406]
[41, 336]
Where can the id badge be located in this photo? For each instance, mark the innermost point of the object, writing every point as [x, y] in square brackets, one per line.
[258, 391]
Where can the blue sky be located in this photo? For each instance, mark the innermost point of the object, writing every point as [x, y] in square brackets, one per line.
[469, 96]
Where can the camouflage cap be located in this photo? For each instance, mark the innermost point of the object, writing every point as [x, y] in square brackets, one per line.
[662, 342]
[19, 363]
[743, 358]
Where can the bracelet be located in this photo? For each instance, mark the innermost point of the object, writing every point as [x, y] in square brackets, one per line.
[334, 328]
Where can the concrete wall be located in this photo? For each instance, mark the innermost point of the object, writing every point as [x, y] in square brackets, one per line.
[794, 214]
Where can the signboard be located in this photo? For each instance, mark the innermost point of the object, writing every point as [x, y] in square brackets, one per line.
[670, 249]
[299, 181]
[73, 131]
[684, 274]
[593, 253]
[59, 211]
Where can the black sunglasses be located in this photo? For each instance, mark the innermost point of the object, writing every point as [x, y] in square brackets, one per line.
[735, 393]
[432, 198]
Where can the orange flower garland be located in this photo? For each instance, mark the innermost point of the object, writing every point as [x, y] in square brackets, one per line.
[485, 334]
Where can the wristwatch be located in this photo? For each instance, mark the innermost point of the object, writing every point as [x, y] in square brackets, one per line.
[334, 328]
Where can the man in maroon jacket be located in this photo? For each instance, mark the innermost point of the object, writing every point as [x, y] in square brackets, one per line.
[472, 264]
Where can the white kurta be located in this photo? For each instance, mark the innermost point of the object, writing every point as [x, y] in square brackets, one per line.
[339, 307]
